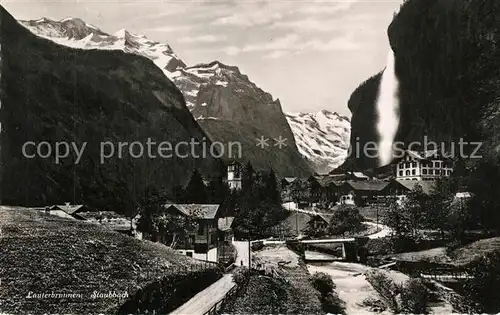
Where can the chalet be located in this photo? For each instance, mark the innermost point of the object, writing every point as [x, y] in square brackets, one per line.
[357, 176]
[205, 236]
[225, 229]
[364, 192]
[67, 211]
[427, 165]
[409, 185]
[320, 221]
[329, 188]
[287, 182]
[109, 219]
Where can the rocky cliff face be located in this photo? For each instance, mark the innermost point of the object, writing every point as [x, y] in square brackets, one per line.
[228, 106]
[446, 61]
[57, 94]
[322, 138]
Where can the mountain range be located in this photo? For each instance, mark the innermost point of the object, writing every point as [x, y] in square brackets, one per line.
[322, 137]
[55, 94]
[227, 105]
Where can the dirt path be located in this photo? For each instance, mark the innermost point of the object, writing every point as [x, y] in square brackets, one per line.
[204, 300]
[242, 252]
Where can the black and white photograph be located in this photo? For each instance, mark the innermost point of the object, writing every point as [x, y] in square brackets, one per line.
[206, 157]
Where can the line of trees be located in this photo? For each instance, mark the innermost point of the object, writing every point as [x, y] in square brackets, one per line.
[256, 207]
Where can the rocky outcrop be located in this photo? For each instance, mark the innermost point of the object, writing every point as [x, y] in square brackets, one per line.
[446, 53]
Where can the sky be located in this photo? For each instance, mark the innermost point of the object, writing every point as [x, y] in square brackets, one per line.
[309, 54]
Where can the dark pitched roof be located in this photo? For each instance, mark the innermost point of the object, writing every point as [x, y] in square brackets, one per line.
[427, 186]
[69, 209]
[327, 180]
[89, 215]
[367, 185]
[201, 211]
[225, 224]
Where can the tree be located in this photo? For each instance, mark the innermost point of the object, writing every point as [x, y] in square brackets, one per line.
[271, 188]
[439, 206]
[300, 190]
[346, 219]
[247, 177]
[484, 286]
[217, 191]
[196, 189]
[396, 219]
[161, 225]
[415, 206]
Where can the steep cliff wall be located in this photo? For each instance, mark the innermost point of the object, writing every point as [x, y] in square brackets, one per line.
[54, 93]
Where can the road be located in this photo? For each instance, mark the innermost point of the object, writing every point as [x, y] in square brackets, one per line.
[203, 301]
[242, 249]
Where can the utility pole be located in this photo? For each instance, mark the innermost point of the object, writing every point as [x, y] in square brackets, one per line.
[208, 243]
[377, 215]
[249, 254]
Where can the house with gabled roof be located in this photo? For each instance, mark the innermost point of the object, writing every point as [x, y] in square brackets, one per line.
[205, 237]
[67, 211]
[364, 192]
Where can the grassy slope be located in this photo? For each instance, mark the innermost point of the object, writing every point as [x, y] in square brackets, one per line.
[44, 254]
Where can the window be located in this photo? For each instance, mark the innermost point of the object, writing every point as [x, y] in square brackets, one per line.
[413, 172]
[424, 171]
[400, 173]
[407, 164]
[436, 164]
[407, 173]
[414, 164]
[200, 229]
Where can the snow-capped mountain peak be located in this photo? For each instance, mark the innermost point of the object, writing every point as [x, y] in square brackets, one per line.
[74, 32]
[321, 137]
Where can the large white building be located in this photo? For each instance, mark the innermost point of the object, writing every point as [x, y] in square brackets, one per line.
[427, 165]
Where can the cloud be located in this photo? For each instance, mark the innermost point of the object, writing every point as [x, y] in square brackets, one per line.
[291, 45]
[169, 29]
[282, 43]
[326, 8]
[252, 19]
[307, 24]
[203, 39]
[345, 43]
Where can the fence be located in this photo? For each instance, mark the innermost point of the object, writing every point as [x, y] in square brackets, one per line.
[218, 306]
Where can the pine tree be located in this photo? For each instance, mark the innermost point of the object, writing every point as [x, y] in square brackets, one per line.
[247, 177]
[196, 190]
[271, 187]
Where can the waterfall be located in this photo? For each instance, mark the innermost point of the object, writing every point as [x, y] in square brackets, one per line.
[387, 111]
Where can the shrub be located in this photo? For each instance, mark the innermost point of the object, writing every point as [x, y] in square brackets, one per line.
[484, 287]
[375, 305]
[241, 275]
[257, 246]
[332, 304]
[322, 282]
[414, 297]
[387, 289]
